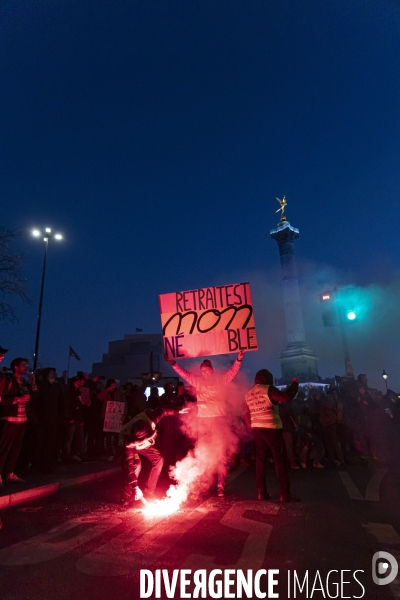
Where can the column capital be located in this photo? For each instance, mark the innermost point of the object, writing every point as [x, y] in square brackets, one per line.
[284, 233]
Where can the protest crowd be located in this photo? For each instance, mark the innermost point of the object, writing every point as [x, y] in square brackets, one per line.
[45, 423]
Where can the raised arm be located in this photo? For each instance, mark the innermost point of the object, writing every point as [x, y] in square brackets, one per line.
[287, 395]
[189, 377]
[233, 371]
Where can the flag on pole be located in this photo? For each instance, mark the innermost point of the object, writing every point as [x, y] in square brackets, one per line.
[73, 353]
[137, 329]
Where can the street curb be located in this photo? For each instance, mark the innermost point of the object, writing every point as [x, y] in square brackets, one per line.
[52, 488]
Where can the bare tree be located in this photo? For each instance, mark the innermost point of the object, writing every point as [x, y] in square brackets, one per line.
[13, 284]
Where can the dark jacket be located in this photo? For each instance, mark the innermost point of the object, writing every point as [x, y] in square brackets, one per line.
[136, 400]
[153, 402]
[168, 400]
[11, 391]
[146, 421]
[287, 417]
[48, 406]
[74, 406]
[276, 396]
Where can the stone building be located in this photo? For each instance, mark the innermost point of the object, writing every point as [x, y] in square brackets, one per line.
[139, 353]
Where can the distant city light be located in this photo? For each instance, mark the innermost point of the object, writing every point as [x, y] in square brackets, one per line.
[351, 315]
[326, 297]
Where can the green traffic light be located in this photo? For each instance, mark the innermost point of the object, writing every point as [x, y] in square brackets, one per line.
[351, 315]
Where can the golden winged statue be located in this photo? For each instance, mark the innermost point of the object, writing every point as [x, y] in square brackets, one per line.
[282, 203]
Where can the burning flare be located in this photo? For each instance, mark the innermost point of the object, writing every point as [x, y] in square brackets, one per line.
[166, 506]
[195, 473]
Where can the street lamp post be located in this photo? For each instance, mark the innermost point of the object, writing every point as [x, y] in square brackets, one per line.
[385, 376]
[45, 235]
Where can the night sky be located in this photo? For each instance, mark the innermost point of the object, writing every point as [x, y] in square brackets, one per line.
[155, 135]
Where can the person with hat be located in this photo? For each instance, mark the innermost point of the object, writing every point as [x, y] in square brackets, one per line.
[138, 437]
[263, 414]
[213, 426]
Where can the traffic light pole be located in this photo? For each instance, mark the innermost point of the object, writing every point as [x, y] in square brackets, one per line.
[347, 363]
[333, 317]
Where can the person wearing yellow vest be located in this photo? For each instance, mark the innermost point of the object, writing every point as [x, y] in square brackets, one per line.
[138, 437]
[263, 416]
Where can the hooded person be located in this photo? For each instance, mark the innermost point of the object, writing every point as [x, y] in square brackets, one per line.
[138, 437]
[213, 426]
[263, 417]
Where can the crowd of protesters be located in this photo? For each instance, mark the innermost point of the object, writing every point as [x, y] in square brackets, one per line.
[348, 424]
[44, 423]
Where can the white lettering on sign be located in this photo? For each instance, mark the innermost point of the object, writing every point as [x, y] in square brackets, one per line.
[114, 416]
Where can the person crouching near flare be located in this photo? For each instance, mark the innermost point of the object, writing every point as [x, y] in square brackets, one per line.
[138, 437]
[263, 414]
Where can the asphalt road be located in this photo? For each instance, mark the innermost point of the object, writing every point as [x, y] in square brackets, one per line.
[79, 544]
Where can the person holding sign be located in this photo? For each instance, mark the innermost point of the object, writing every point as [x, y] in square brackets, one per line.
[138, 436]
[213, 428]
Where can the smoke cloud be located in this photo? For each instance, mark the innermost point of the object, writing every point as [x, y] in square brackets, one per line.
[216, 442]
[373, 338]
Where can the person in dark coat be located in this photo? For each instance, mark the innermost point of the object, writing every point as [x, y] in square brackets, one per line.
[75, 419]
[185, 397]
[93, 420]
[48, 411]
[153, 400]
[135, 396]
[170, 437]
[289, 428]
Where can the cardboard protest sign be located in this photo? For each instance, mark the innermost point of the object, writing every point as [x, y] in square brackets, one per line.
[114, 416]
[208, 321]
